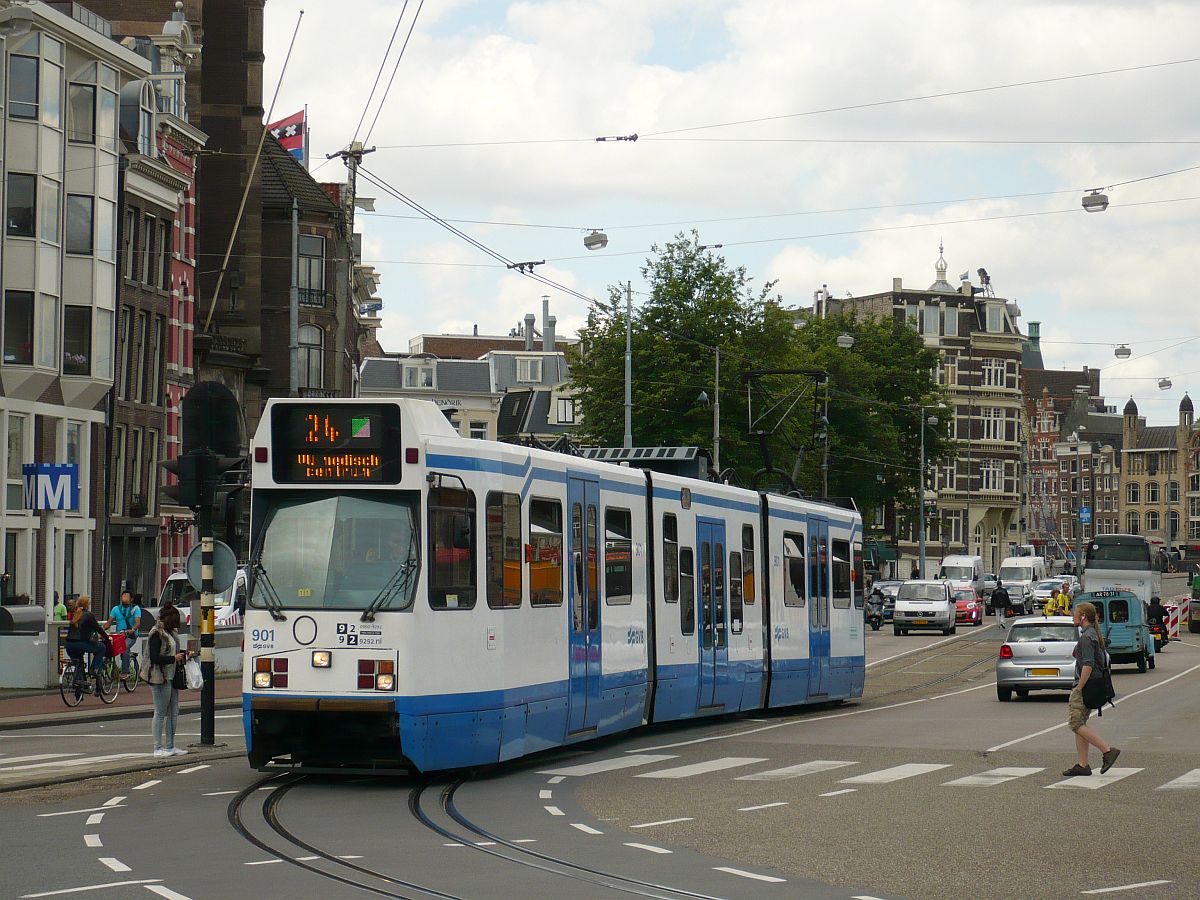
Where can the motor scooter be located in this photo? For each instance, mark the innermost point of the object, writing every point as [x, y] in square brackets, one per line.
[874, 613]
[1158, 631]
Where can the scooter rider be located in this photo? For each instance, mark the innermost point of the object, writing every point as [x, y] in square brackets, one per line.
[1157, 614]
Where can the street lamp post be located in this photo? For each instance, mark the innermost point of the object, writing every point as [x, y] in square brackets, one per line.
[702, 399]
[932, 420]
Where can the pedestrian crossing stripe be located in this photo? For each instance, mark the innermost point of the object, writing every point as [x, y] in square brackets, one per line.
[895, 773]
[1095, 781]
[1187, 781]
[995, 776]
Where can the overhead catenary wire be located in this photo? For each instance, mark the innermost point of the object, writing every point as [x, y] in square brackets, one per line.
[399, 56]
[379, 73]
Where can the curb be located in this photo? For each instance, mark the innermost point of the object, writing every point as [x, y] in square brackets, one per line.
[143, 766]
[17, 723]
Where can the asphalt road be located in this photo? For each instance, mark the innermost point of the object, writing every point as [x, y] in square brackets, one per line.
[799, 805]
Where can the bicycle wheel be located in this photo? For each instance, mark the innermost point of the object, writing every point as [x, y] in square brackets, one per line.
[72, 693]
[109, 681]
[134, 677]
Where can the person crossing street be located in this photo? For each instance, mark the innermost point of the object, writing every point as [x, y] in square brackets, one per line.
[1000, 602]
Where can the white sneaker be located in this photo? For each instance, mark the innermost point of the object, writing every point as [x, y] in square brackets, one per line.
[161, 753]
[176, 751]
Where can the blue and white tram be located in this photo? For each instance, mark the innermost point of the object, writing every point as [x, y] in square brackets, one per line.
[426, 601]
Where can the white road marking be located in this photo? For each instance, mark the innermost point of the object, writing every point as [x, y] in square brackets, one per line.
[267, 788]
[74, 812]
[808, 768]
[166, 892]
[264, 862]
[753, 875]
[924, 647]
[229, 716]
[702, 768]
[95, 819]
[148, 784]
[190, 769]
[220, 793]
[545, 795]
[92, 840]
[1118, 700]
[8, 761]
[995, 776]
[895, 773]
[115, 801]
[485, 843]
[865, 897]
[1187, 781]
[525, 841]
[90, 887]
[1127, 887]
[554, 810]
[349, 857]
[1095, 781]
[454, 845]
[763, 806]
[839, 793]
[608, 765]
[586, 829]
[81, 761]
[115, 864]
[662, 822]
[557, 779]
[305, 858]
[647, 847]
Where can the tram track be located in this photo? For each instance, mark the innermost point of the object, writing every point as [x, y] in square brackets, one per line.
[375, 881]
[951, 649]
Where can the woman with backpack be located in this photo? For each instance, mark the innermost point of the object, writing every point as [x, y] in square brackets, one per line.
[1091, 661]
[164, 674]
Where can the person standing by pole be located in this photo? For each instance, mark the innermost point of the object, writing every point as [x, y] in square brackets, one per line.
[164, 665]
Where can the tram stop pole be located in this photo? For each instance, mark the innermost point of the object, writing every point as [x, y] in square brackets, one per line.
[208, 650]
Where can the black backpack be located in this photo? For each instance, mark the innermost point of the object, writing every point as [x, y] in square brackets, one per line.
[1099, 688]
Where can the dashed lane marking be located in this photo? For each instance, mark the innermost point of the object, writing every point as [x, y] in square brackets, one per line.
[115, 864]
[70, 763]
[763, 806]
[839, 793]
[557, 779]
[90, 887]
[485, 843]
[220, 793]
[262, 862]
[1095, 781]
[190, 769]
[1127, 887]
[586, 829]
[995, 776]
[92, 840]
[1188, 781]
[744, 874]
[166, 892]
[95, 819]
[808, 768]
[9, 760]
[525, 841]
[609, 765]
[650, 848]
[702, 768]
[895, 773]
[554, 810]
[75, 812]
[444, 845]
[545, 795]
[148, 784]
[663, 822]
[115, 801]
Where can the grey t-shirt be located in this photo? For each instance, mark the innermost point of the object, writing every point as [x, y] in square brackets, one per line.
[1087, 651]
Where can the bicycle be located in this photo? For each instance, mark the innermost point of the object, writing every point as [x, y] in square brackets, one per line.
[134, 678]
[77, 680]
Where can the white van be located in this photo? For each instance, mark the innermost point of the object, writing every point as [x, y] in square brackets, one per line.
[963, 573]
[1020, 575]
[924, 605]
[230, 604]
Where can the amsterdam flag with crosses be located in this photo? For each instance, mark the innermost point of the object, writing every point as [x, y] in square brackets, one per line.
[290, 133]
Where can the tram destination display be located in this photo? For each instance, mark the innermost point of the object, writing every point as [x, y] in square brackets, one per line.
[323, 443]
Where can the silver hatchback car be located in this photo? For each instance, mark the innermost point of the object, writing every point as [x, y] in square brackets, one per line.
[1038, 654]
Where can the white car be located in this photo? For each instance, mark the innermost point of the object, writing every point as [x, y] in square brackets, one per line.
[1044, 590]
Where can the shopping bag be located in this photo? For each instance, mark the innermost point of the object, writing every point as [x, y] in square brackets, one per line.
[195, 680]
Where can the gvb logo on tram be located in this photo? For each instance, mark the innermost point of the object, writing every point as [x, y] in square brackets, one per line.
[426, 602]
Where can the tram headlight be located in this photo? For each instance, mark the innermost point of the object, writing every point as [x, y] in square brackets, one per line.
[322, 659]
[385, 682]
[262, 679]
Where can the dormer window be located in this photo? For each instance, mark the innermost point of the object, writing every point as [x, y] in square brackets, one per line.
[138, 106]
[529, 370]
[418, 376]
[995, 318]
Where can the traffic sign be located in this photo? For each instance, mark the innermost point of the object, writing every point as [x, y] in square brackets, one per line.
[1085, 515]
[224, 567]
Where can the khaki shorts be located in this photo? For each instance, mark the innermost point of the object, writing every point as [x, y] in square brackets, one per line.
[1079, 713]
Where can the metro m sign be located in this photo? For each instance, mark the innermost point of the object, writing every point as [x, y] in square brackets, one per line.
[51, 485]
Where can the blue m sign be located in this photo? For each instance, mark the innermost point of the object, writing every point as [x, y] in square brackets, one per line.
[51, 485]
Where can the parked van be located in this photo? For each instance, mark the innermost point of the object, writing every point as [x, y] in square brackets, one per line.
[1020, 575]
[963, 573]
[230, 604]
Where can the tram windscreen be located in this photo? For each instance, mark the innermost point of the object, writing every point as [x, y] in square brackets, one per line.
[1129, 554]
[319, 550]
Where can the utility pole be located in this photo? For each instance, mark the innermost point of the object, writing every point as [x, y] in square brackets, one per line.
[294, 306]
[717, 416]
[629, 364]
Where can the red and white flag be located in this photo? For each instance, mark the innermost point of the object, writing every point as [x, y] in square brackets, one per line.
[290, 133]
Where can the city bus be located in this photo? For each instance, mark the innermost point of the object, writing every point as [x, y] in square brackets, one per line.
[1121, 562]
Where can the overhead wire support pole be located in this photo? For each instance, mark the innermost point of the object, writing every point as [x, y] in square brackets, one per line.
[628, 365]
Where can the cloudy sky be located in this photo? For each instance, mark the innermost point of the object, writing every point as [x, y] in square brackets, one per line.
[495, 106]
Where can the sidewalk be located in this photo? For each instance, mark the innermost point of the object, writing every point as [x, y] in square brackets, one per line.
[34, 710]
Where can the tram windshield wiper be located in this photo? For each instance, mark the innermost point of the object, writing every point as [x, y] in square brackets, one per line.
[269, 595]
[399, 581]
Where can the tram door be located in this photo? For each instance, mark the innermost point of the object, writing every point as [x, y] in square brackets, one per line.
[714, 647]
[818, 608]
[583, 498]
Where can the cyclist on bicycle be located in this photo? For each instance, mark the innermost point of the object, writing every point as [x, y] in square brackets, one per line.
[126, 616]
[87, 636]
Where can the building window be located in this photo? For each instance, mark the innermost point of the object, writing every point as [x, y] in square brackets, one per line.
[1173, 524]
[51, 197]
[23, 87]
[22, 200]
[529, 370]
[118, 470]
[135, 459]
[993, 372]
[16, 456]
[47, 332]
[1172, 491]
[1151, 493]
[80, 223]
[77, 340]
[51, 89]
[163, 279]
[418, 376]
[18, 328]
[930, 320]
[1132, 523]
[951, 319]
[566, 411]
[106, 120]
[155, 356]
[312, 346]
[81, 113]
[125, 388]
[992, 475]
[1151, 520]
[993, 424]
[478, 430]
[995, 318]
[311, 275]
[1134, 493]
[146, 251]
[138, 362]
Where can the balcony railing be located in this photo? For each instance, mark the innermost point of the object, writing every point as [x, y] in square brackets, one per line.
[312, 297]
[318, 392]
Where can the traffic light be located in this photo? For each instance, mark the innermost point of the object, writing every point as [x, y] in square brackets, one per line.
[186, 492]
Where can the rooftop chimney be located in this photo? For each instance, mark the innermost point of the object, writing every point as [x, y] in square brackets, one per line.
[1035, 335]
[475, 330]
[530, 318]
[548, 334]
[545, 317]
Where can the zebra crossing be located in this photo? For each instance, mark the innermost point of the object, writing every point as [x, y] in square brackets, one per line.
[58, 760]
[650, 766]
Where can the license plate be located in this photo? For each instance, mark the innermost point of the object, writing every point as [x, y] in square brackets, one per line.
[920, 621]
[1050, 672]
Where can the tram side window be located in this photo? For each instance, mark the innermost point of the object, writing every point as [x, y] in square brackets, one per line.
[735, 592]
[794, 587]
[841, 574]
[858, 577]
[719, 593]
[670, 558]
[504, 565]
[747, 564]
[452, 548]
[618, 556]
[687, 590]
[546, 539]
